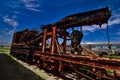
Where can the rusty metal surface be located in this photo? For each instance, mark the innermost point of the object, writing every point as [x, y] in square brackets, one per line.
[99, 63]
[27, 38]
[85, 60]
[97, 17]
[56, 57]
[53, 40]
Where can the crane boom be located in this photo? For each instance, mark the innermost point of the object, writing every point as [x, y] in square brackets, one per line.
[97, 17]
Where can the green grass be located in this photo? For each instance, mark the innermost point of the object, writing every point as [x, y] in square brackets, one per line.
[109, 72]
[5, 49]
[116, 57]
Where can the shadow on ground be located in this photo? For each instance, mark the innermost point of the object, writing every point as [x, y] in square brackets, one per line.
[12, 70]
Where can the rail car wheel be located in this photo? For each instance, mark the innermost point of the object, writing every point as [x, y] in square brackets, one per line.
[45, 64]
[50, 65]
[39, 62]
[28, 58]
[13, 54]
[58, 66]
[35, 59]
[16, 55]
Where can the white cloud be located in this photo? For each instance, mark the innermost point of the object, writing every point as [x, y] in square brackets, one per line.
[10, 21]
[96, 27]
[115, 18]
[33, 9]
[16, 12]
[14, 16]
[13, 3]
[118, 32]
[32, 5]
[90, 28]
[9, 31]
[115, 21]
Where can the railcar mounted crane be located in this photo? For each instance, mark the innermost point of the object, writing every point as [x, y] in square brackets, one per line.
[56, 57]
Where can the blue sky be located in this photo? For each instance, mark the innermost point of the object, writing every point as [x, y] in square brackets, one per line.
[16, 15]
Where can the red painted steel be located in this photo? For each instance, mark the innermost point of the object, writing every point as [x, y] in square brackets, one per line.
[44, 40]
[53, 40]
[56, 57]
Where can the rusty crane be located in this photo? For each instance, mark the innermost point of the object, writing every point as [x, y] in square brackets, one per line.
[56, 57]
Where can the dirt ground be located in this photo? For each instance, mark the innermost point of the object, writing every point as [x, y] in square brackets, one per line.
[14, 69]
